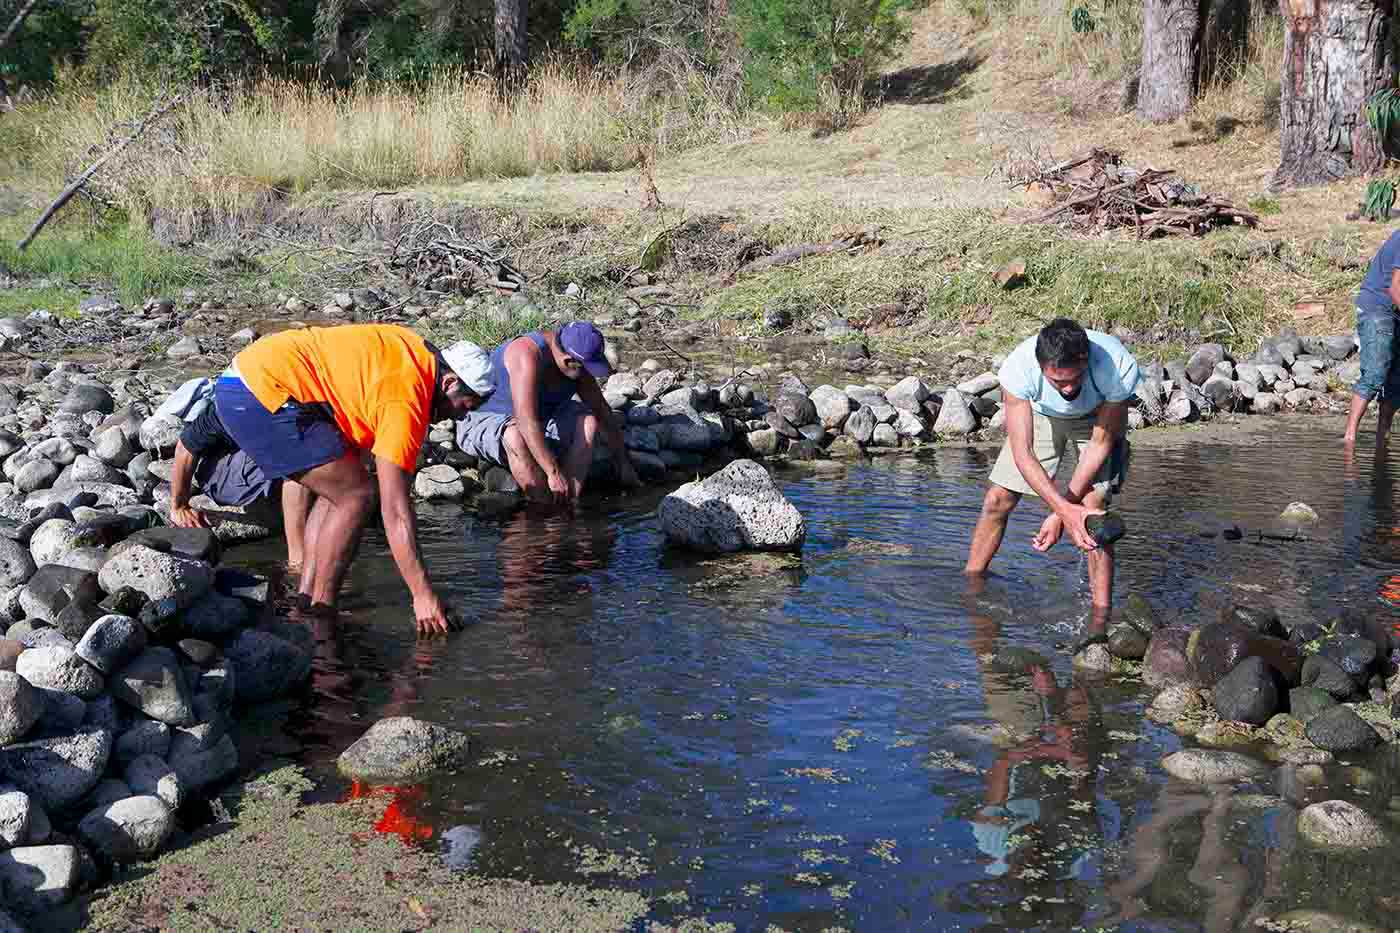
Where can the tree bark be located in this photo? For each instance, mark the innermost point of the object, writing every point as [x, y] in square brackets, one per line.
[1171, 44]
[1336, 55]
[512, 43]
[1224, 40]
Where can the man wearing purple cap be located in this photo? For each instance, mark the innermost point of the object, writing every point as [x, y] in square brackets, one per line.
[533, 419]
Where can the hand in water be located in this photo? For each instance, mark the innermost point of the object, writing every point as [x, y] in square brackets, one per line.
[1049, 534]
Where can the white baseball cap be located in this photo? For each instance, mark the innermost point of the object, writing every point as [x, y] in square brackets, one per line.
[472, 365]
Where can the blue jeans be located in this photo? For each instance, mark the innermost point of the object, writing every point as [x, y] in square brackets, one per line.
[1380, 368]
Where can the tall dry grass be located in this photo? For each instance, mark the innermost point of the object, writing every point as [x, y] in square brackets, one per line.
[222, 149]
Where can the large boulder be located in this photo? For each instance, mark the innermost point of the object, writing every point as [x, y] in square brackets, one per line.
[37, 879]
[144, 737]
[1217, 647]
[198, 768]
[157, 575]
[53, 587]
[84, 397]
[955, 418]
[21, 705]
[155, 684]
[1340, 825]
[265, 666]
[439, 482]
[1202, 363]
[129, 830]
[1166, 662]
[56, 667]
[909, 394]
[1326, 674]
[403, 749]
[738, 508]
[16, 564]
[1249, 693]
[860, 426]
[796, 408]
[57, 771]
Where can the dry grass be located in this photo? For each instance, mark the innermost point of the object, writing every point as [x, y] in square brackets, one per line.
[287, 137]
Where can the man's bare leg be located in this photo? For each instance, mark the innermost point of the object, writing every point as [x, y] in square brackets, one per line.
[581, 452]
[528, 474]
[1384, 416]
[1354, 416]
[1100, 563]
[314, 521]
[991, 527]
[296, 508]
[346, 496]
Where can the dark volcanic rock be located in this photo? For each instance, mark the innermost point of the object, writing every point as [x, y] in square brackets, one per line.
[1259, 619]
[1249, 693]
[1217, 647]
[1339, 729]
[1352, 653]
[1306, 702]
[1325, 674]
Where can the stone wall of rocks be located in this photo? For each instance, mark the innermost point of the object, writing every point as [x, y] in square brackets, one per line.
[125, 646]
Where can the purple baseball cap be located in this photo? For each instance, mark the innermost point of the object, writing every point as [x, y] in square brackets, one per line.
[582, 341]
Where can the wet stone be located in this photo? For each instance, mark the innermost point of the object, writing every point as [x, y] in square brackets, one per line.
[1338, 729]
[1353, 654]
[1165, 663]
[1306, 702]
[1325, 674]
[1261, 620]
[1338, 824]
[1212, 766]
[402, 748]
[1127, 641]
[197, 543]
[1248, 693]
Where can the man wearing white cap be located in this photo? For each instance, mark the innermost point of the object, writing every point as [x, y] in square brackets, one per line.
[306, 403]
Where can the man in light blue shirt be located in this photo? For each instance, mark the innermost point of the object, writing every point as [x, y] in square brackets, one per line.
[1064, 385]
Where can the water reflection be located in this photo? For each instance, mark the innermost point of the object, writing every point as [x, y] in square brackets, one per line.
[852, 737]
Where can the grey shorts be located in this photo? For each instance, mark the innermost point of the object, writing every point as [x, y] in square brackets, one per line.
[1052, 436]
[482, 434]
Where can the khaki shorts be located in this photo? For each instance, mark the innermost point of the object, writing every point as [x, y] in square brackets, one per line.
[1051, 436]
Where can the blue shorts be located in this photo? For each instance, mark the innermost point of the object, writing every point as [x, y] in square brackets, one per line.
[482, 433]
[287, 442]
[1380, 363]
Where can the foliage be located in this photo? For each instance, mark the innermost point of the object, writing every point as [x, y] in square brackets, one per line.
[1264, 205]
[1382, 111]
[1380, 195]
[1081, 20]
[799, 48]
[52, 31]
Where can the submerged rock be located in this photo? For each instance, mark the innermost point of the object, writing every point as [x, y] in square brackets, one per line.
[738, 508]
[402, 748]
[1210, 766]
[1338, 824]
[1339, 729]
[1248, 693]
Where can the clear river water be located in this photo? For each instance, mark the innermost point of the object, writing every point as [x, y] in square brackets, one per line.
[835, 739]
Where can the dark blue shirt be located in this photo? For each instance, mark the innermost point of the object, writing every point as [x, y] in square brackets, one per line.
[1374, 297]
[502, 402]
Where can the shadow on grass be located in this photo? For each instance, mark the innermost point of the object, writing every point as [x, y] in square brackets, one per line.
[930, 84]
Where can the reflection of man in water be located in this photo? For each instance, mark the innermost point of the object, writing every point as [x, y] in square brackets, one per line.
[542, 557]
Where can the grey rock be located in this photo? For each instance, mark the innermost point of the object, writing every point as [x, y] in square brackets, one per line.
[1212, 766]
[909, 394]
[1339, 824]
[660, 383]
[86, 469]
[36, 474]
[194, 543]
[129, 830]
[150, 775]
[1248, 693]
[885, 436]
[832, 405]
[1126, 641]
[643, 415]
[1338, 729]
[265, 666]
[160, 433]
[57, 668]
[57, 771]
[16, 813]
[16, 564]
[37, 879]
[53, 539]
[183, 348]
[860, 426]
[20, 707]
[796, 408]
[1339, 347]
[1306, 702]
[978, 385]
[63, 713]
[159, 576]
[1202, 363]
[75, 619]
[154, 683]
[84, 397]
[401, 749]
[106, 713]
[763, 443]
[1180, 409]
[1221, 392]
[1266, 403]
[439, 482]
[955, 418]
[143, 737]
[108, 790]
[738, 508]
[1326, 674]
[198, 769]
[110, 642]
[216, 616]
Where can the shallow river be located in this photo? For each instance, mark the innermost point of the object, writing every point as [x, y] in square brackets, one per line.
[832, 740]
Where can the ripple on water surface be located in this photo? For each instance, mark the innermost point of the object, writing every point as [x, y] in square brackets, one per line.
[852, 737]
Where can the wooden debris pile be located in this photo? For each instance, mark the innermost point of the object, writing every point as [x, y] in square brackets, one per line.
[1095, 192]
[431, 256]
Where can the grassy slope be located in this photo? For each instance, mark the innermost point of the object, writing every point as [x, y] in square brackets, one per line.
[923, 169]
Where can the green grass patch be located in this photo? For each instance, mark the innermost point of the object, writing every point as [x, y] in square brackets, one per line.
[493, 322]
[1264, 205]
[109, 256]
[21, 301]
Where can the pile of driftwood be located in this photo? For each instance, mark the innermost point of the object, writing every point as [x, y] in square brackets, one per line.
[431, 256]
[1096, 192]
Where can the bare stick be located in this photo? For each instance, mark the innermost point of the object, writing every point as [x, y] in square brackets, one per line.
[18, 21]
[83, 178]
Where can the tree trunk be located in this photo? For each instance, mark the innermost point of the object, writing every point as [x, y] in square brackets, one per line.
[512, 43]
[1336, 54]
[1224, 40]
[1171, 43]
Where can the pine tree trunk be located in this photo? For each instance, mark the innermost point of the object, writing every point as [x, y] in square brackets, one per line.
[1337, 53]
[1224, 40]
[1171, 40]
[512, 44]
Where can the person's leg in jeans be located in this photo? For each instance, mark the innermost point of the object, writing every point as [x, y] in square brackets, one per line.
[1377, 335]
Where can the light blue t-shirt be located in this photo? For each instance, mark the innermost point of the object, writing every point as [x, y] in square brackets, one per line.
[1112, 377]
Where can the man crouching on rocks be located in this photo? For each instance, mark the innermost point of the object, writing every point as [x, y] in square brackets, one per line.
[1064, 385]
[305, 403]
[533, 426]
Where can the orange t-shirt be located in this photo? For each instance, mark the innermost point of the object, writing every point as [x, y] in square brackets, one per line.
[378, 380]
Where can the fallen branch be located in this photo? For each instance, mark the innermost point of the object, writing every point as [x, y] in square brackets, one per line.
[793, 254]
[82, 179]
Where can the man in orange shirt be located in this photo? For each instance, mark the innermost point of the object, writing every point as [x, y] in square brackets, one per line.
[304, 404]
